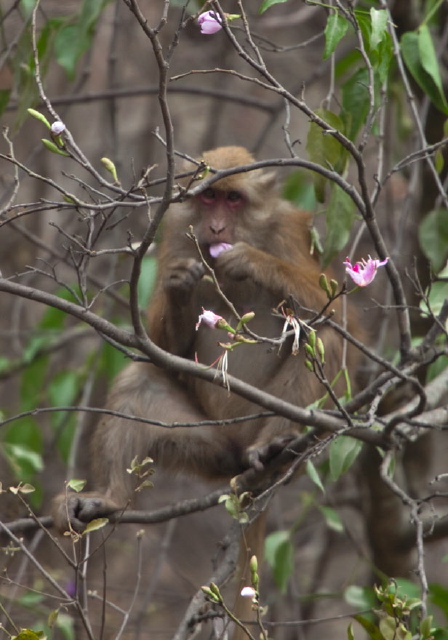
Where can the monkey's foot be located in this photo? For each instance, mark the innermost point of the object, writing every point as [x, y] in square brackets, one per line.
[258, 456]
[80, 509]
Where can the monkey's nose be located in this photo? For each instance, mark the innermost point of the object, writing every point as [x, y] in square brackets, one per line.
[217, 230]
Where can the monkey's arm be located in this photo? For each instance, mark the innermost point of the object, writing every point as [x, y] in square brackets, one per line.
[299, 278]
[172, 313]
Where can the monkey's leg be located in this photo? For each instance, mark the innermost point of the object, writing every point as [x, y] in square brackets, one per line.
[142, 390]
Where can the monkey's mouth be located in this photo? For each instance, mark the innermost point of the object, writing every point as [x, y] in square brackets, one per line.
[219, 247]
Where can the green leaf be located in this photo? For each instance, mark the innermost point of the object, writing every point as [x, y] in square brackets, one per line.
[425, 626]
[340, 215]
[428, 55]
[420, 58]
[31, 599]
[439, 161]
[279, 552]
[355, 102]
[378, 27]
[27, 6]
[343, 452]
[332, 518]
[433, 237]
[325, 150]
[112, 361]
[33, 378]
[25, 432]
[27, 488]
[65, 625]
[75, 38]
[437, 294]
[436, 368]
[233, 506]
[70, 44]
[272, 542]
[55, 318]
[347, 64]
[63, 390]
[24, 457]
[335, 30]
[360, 597]
[438, 595]
[96, 524]
[372, 630]
[314, 476]
[147, 280]
[76, 484]
[389, 628]
[382, 58]
[28, 634]
[267, 4]
[299, 189]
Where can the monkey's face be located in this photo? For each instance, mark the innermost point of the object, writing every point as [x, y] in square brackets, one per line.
[219, 216]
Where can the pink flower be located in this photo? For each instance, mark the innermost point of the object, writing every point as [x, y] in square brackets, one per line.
[216, 249]
[210, 22]
[364, 272]
[208, 318]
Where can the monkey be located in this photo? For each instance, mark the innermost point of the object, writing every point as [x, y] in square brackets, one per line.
[258, 245]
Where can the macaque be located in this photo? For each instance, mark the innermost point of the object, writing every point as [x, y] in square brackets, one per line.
[259, 248]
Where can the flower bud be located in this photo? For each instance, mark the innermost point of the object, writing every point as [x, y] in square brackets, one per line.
[39, 116]
[109, 165]
[247, 317]
[248, 592]
[57, 128]
[334, 287]
[209, 593]
[323, 284]
[253, 564]
[320, 349]
[53, 148]
[309, 349]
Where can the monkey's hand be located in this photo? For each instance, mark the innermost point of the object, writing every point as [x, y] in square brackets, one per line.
[241, 261]
[258, 456]
[181, 278]
[79, 509]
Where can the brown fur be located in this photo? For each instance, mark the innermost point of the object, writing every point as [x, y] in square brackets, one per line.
[269, 261]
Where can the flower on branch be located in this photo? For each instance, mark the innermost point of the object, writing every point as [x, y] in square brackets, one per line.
[248, 592]
[210, 22]
[57, 127]
[363, 273]
[208, 318]
[213, 321]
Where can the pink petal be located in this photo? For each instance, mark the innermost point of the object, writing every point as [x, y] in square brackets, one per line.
[216, 249]
[209, 22]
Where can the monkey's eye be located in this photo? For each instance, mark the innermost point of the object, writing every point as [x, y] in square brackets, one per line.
[234, 196]
[208, 195]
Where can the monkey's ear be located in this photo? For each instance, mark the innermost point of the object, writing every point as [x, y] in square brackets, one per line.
[268, 182]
